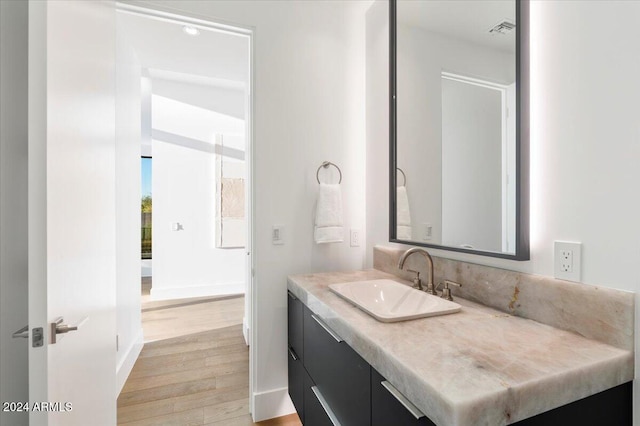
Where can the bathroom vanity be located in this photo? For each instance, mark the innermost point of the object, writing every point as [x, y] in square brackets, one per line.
[480, 366]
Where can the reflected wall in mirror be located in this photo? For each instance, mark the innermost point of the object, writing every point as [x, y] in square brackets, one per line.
[459, 125]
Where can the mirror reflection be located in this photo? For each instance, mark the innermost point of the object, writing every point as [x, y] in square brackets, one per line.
[456, 124]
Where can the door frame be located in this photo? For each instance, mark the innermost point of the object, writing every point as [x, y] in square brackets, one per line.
[251, 304]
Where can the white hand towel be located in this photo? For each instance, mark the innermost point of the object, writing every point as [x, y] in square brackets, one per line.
[403, 218]
[328, 227]
[404, 232]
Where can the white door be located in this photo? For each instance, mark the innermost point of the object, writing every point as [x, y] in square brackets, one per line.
[71, 217]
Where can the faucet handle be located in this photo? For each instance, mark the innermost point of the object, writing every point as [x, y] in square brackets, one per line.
[446, 291]
[417, 283]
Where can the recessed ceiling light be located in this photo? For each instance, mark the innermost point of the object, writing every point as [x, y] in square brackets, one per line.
[192, 31]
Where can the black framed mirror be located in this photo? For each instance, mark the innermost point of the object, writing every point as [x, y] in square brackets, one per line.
[459, 125]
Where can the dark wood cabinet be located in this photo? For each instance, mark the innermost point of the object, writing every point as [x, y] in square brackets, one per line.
[340, 374]
[295, 325]
[611, 407]
[295, 364]
[314, 413]
[329, 383]
[389, 408]
[296, 382]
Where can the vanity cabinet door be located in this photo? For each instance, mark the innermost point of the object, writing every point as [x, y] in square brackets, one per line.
[296, 384]
[342, 377]
[315, 414]
[296, 368]
[387, 407]
[295, 328]
[611, 407]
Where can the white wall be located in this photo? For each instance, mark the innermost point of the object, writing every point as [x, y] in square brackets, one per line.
[585, 142]
[128, 134]
[422, 56]
[14, 373]
[309, 107]
[186, 262]
[227, 101]
[377, 126]
[145, 94]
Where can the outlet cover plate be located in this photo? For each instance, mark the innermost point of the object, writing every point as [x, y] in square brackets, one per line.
[354, 238]
[277, 235]
[427, 231]
[567, 260]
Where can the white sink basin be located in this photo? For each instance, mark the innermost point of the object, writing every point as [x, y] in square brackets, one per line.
[390, 301]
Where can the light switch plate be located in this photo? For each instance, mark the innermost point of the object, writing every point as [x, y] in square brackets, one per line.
[427, 231]
[567, 260]
[277, 235]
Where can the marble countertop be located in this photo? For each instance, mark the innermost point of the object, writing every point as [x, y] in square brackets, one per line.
[477, 367]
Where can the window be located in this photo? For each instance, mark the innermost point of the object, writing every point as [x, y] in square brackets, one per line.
[146, 207]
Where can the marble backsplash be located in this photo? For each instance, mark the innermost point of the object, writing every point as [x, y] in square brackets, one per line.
[598, 313]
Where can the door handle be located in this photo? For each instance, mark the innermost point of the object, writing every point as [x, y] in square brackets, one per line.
[57, 327]
[22, 333]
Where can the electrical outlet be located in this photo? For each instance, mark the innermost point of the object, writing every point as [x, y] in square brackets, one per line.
[355, 238]
[567, 258]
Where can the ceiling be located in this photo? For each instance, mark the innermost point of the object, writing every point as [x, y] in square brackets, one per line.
[466, 20]
[162, 45]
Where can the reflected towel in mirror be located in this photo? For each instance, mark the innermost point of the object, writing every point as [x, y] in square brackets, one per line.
[404, 215]
[329, 227]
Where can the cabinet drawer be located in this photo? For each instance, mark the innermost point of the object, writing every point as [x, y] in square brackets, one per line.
[342, 377]
[611, 407]
[296, 382]
[315, 414]
[390, 407]
[295, 328]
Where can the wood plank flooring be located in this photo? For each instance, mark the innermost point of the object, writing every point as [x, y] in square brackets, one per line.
[195, 317]
[193, 369]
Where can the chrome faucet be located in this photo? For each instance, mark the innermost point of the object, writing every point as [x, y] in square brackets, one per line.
[418, 284]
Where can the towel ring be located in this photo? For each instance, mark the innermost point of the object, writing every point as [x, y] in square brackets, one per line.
[326, 164]
[403, 175]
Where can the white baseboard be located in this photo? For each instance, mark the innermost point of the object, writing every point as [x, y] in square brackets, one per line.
[270, 404]
[161, 293]
[245, 331]
[123, 369]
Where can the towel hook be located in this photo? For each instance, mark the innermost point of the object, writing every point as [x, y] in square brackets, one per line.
[326, 164]
[403, 175]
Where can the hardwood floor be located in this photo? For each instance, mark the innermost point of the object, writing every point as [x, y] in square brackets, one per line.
[161, 323]
[193, 369]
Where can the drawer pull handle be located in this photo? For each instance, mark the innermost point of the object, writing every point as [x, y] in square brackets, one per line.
[327, 329]
[293, 354]
[415, 411]
[325, 406]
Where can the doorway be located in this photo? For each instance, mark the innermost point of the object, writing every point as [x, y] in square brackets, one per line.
[195, 256]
